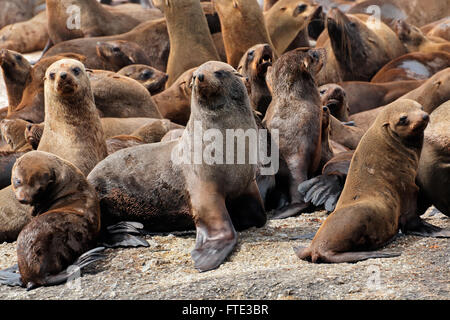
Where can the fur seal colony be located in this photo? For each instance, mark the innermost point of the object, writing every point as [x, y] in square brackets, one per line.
[215, 116]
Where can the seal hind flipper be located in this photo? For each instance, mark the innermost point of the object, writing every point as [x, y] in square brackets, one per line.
[425, 229]
[323, 189]
[11, 277]
[216, 236]
[290, 210]
[124, 234]
[340, 257]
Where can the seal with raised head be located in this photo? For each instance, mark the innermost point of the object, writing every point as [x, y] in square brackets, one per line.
[334, 97]
[380, 193]
[214, 196]
[67, 217]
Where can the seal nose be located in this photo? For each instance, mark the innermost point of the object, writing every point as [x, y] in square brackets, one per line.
[201, 77]
[426, 117]
[63, 75]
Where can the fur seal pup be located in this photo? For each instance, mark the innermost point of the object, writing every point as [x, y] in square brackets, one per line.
[295, 111]
[334, 97]
[433, 176]
[15, 69]
[254, 65]
[120, 53]
[152, 79]
[413, 66]
[26, 36]
[72, 127]
[216, 198]
[243, 26]
[356, 48]
[187, 37]
[66, 218]
[377, 199]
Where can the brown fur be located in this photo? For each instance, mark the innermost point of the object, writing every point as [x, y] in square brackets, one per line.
[14, 11]
[96, 20]
[33, 134]
[334, 97]
[174, 103]
[27, 36]
[191, 43]
[413, 66]
[243, 26]
[72, 128]
[440, 28]
[13, 132]
[67, 214]
[152, 79]
[347, 136]
[16, 70]
[378, 196]
[356, 49]
[120, 53]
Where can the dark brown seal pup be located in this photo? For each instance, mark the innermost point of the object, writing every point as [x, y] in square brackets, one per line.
[120, 53]
[94, 19]
[363, 96]
[295, 112]
[174, 103]
[27, 36]
[67, 216]
[72, 130]
[253, 65]
[33, 134]
[433, 176]
[356, 48]
[415, 41]
[217, 198]
[242, 25]
[13, 132]
[334, 97]
[15, 69]
[152, 36]
[191, 43]
[152, 79]
[379, 197]
[413, 66]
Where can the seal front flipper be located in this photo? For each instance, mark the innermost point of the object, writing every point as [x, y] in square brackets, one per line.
[323, 189]
[216, 236]
[11, 277]
[419, 227]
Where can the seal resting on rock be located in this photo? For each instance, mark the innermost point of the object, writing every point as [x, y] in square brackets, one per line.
[181, 192]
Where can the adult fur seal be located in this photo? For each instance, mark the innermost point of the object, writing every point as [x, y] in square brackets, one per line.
[15, 11]
[15, 69]
[356, 49]
[187, 37]
[254, 65]
[120, 53]
[379, 197]
[152, 79]
[67, 217]
[72, 128]
[295, 112]
[433, 176]
[217, 198]
[242, 25]
[27, 36]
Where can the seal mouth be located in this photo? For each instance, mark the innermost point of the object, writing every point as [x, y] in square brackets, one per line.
[66, 87]
[333, 103]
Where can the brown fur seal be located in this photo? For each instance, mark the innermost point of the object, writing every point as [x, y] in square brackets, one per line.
[363, 96]
[15, 69]
[254, 65]
[33, 134]
[67, 216]
[216, 198]
[413, 66]
[13, 132]
[295, 111]
[415, 41]
[356, 48]
[14, 11]
[433, 176]
[285, 20]
[152, 36]
[27, 36]
[174, 103]
[31, 107]
[379, 196]
[242, 25]
[440, 28]
[334, 97]
[187, 37]
[94, 20]
[120, 53]
[268, 4]
[415, 12]
[152, 79]
[75, 134]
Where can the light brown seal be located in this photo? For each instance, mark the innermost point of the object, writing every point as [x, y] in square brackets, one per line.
[152, 79]
[120, 53]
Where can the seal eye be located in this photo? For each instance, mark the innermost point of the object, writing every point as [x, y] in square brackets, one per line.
[18, 57]
[52, 75]
[352, 24]
[219, 74]
[116, 49]
[322, 91]
[301, 8]
[17, 182]
[76, 71]
[403, 120]
[146, 75]
[251, 55]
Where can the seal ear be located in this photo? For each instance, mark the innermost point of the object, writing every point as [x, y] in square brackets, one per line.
[314, 60]
[235, 4]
